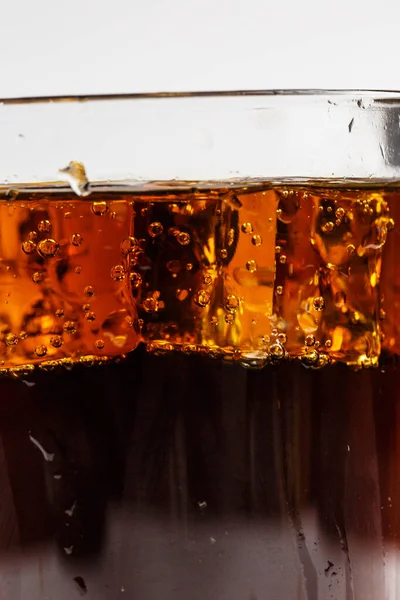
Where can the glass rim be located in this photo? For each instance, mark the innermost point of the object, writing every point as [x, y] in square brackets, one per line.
[385, 96]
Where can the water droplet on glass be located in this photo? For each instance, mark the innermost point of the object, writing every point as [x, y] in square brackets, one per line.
[155, 229]
[47, 248]
[117, 273]
[56, 341]
[319, 303]
[202, 298]
[99, 208]
[37, 277]
[28, 247]
[76, 239]
[44, 226]
[251, 266]
[247, 228]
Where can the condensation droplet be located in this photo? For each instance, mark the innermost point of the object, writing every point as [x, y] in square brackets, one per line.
[28, 247]
[155, 229]
[41, 350]
[202, 298]
[44, 226]
[47, 248]
[129, 245]
[76, 239]
[99, 208]
[256, 240]
[135, 279]
[37, 277]
[183, 238]
[70, 327]
[319, 303]
[99, 344]
[56, 341]
[232, 303]
[89, 291]
[150, 305]
[118, 273]
[11, 339]
[251, 266]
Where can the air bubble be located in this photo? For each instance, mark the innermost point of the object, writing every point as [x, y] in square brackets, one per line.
[89, 291]
[183, 238]
[32, 236]
[251, 266]
[340, 212]
[319, 303]
[229, 318]
[202, 298]
[150, 305]
[99, 344]
[253, 360]
[11, 339]
[223, 253]
[37, 277]
[70, 327]
[247, 228]
[328, 227]
[207, 280]
[28, 247]
[41, 350]
[310, 358]
[277, 352]
[282, 259]
[117, 273]
[59, 313]
[189, 266]
[129, 245]
[309, 340]
[44, 226]
[231, 237]
[279, 290]
[76, 239]
[99, 208]
[232, 303]
[155, 229]
[90, 316]
[214, 321]
[47, 248]
[181, 295]
[256, 240]
[78, 270]
[56, 341]
[340, 299]
[135, 279]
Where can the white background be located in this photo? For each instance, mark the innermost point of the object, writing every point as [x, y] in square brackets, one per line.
[104, 46]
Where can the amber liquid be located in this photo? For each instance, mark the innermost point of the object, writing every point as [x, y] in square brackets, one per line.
[178, 474]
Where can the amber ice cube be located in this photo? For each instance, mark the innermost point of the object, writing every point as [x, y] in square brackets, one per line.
[64, 289]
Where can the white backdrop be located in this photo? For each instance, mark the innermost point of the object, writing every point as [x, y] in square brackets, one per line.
[97, 46]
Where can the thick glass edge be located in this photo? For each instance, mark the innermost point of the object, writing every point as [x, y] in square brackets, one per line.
[384, 96]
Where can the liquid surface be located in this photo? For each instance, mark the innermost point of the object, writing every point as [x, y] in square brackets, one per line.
[254, 272]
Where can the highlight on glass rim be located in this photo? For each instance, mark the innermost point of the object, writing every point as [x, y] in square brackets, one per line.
[199, 346]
